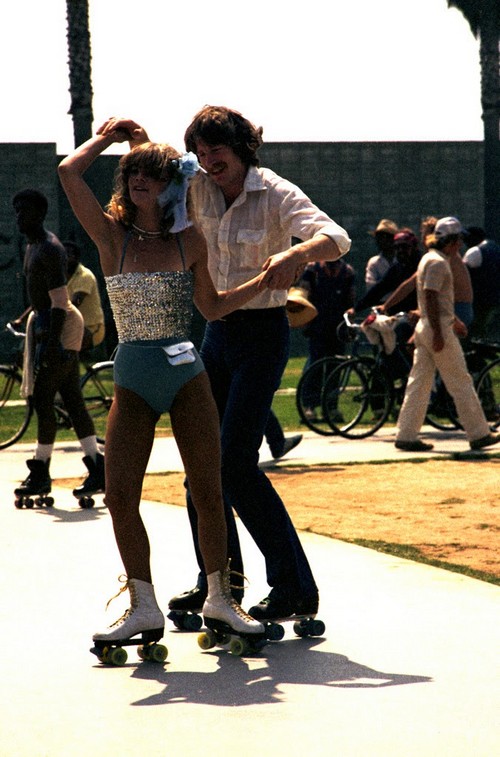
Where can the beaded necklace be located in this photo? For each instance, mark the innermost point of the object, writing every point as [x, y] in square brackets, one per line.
[143, 234]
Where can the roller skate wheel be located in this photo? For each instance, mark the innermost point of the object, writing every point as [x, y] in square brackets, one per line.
[152, 652]
[318, 628]
[158, 653]
[86, 503]
[206, 640]
[301, 628]
[18, 503]
[101, 654]
[98, 653]
[29, 503]
[117, 656]
[275, 632]
[49, 501]
[192, 622]
[238, 647]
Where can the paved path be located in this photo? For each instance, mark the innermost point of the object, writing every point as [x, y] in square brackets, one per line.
[408, 665]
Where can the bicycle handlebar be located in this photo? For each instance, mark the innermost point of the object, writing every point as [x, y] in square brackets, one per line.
[375, 311]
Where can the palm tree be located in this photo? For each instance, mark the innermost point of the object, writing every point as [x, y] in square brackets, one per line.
[484, 20]
[78, 35]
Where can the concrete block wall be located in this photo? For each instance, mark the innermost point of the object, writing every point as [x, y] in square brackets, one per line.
[360, 183]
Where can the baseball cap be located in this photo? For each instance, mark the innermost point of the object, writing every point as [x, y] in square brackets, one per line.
[447, 226]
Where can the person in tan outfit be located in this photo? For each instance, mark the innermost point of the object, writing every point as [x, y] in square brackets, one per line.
[437, 347]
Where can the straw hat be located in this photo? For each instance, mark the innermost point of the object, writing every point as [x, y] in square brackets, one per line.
[299, 310]
[386, 226]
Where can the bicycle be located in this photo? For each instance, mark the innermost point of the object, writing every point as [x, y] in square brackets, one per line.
[311, 385]
[16, 411]
[362, 392]
[483, 363]
[366, 385]
[488, 386]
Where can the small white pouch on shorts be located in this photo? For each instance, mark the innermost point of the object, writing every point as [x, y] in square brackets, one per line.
[180, 353]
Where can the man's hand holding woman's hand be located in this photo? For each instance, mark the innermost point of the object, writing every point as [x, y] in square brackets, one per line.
[124, 130]
[281, 270]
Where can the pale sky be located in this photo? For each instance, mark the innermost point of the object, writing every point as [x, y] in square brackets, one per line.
[314, 70]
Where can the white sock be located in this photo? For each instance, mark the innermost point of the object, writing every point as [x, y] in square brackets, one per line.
[89, 447]
[43, 451]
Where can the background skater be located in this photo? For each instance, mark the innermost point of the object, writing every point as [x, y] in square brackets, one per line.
[54, 337]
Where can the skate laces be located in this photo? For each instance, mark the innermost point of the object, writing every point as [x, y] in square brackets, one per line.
[126, 585]
[228, 572]
[238, 609]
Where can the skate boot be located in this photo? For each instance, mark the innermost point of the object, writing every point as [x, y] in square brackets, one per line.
[282, 606]
[143, 619]
[186, 608]
[38, 483]
[94, 482]
[226, 621]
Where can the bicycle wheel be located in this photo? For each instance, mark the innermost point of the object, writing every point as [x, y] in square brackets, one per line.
[15, 411]
[441, 413]
[488, 390]
[309, 394]
[98, 391]
[357, 398]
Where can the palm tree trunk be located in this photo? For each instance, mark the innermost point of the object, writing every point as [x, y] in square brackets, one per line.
[484, 20]
[78, 35]
[490, 95]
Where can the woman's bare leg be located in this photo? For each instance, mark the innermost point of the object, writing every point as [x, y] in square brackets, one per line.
[196, 429]
[129, 440]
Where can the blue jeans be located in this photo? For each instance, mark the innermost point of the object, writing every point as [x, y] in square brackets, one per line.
[245, 356]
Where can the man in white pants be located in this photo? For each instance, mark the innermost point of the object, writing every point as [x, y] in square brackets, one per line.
[437, 347]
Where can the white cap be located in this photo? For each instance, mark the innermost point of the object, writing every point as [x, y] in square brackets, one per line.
[448, 226]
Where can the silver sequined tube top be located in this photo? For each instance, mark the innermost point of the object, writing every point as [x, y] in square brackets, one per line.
[151, 305]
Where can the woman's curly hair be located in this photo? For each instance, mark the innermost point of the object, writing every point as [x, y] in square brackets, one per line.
[153, 159]
[218, 125]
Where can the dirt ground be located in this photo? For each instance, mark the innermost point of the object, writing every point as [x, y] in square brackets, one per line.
[447, 510]
[443, 510]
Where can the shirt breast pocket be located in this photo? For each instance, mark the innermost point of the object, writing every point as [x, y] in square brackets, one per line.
[253, 251]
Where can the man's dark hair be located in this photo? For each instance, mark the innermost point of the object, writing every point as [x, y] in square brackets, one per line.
[32, 197]
[72, 248]
[474, 235]
[441, 242]
[217, 125]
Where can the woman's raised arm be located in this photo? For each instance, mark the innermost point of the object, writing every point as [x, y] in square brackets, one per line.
[98, 224]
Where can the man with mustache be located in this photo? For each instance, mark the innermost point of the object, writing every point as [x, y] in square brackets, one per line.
[248, 216]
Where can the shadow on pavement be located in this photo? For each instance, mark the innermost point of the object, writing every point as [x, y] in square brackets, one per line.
[238, 683]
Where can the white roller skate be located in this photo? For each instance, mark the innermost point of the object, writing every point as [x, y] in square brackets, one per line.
[143, 619]
[227, 623]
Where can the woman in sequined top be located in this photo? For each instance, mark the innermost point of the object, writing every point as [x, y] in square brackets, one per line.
[153, 277]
